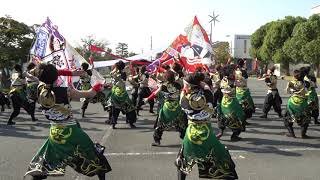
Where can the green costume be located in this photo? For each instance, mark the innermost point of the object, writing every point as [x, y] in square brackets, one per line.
[170, 115]
[68, 144]
[200, 145]
[230, 113]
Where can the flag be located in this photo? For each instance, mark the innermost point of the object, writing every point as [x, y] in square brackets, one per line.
[94, 48]
[153, 67]
[193, 50]
[199, 51]
[51, 47]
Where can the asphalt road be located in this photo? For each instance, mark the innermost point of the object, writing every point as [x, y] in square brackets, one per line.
[263, 154]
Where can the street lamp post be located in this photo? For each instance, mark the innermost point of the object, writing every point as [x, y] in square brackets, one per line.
[214, 19]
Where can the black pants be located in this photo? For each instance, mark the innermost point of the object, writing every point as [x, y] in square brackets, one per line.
[217, 97]
[131, 117]
[272, 100]
[289, 124]
[85, 104]
[4, 101]
[144, 92]
[18, 103]
[134, 95]
[158, 132]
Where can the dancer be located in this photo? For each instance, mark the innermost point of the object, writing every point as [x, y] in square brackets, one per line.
[31, 88]
[18, 94]
[119, 99]
[170, 115]
[313, 101]
[4, 100]
[229, 112]
[144, 90]
[134, 81]
[67, 144]
[242, 91]
[85, 85]
[200, 146]
[297, 108]
[273, 97]
[216, 80]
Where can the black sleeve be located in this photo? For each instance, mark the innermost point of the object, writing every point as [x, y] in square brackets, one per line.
[244, 74]
[178, 86]
[306, 84]
[268, 80]
[313, 79]
[89, 72]
[123, 76]
[209, 96]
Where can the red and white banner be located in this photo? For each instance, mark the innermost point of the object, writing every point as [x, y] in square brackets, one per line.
[51, 47]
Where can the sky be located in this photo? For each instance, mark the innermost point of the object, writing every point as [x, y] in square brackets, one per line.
[135, 21]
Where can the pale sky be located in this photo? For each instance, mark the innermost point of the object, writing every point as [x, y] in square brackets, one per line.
[135, 21]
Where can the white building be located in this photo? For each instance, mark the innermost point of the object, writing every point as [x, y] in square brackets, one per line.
[315, 10]
[239, 46]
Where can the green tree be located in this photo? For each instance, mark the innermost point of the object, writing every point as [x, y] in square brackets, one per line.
[274, 36]
[304, 45]
[84, 50]
[257, 39]
[132, 54]
[221, 52]
[122, 50]
[15, 42]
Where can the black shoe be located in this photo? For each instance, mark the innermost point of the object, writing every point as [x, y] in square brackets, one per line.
[156, 143]
[316, 122]
[280, 115]
[305, 136]
[11, 123]
[114, 126]
[107, 121]
[34, 120]
[132, 125]
[235, 138]
[263, 116]
[290, 135]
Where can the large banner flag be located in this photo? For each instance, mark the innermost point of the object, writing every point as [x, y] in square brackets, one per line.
[51, 47]
[192, 50]
[199, 51]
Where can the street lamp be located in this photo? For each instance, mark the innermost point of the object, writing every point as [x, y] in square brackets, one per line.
[214, 19]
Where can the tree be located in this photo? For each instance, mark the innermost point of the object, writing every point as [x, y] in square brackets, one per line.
[257, 39]
[122, 50]
[15, 42]
[221, 52]
[132, 54]
[304, 45]
[268, 42]
[84, 50]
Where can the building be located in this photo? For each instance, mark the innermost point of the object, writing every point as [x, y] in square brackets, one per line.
[315, 10]
[239, 48]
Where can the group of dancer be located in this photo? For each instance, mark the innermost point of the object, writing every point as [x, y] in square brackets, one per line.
[187, 103]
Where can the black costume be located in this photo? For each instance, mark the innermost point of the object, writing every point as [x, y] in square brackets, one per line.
[144, 91]
[273, 98]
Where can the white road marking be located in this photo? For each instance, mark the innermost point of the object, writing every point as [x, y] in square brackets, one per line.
[231, 151]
